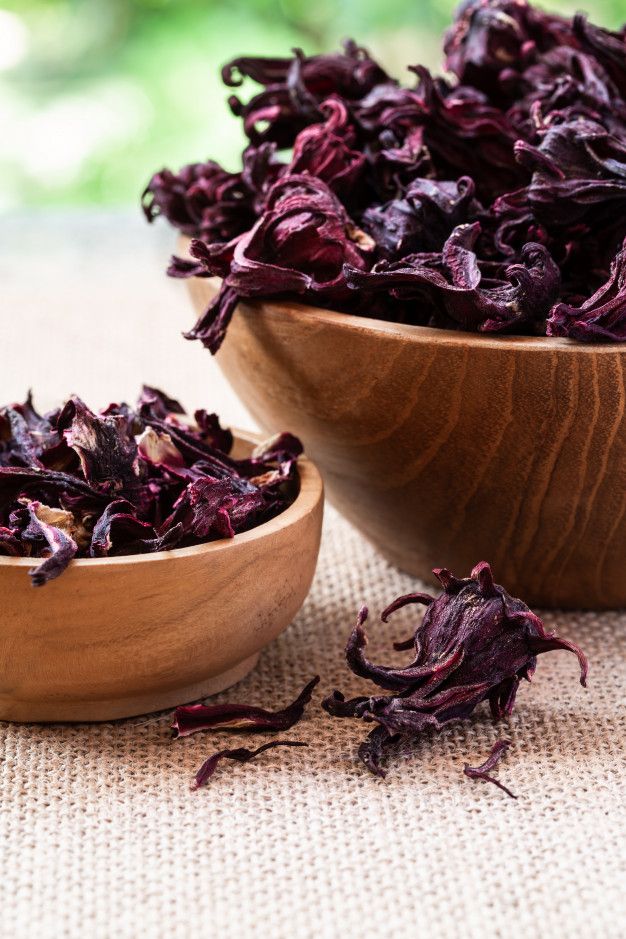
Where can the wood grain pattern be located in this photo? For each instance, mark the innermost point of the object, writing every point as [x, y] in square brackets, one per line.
[114, 637]
[445, 448]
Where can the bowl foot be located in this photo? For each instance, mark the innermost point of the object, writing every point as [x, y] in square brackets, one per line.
[47, 711]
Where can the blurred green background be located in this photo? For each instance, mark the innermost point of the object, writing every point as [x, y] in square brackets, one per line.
[97, 94]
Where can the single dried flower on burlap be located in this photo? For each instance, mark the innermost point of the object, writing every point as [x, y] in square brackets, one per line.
[474, 644]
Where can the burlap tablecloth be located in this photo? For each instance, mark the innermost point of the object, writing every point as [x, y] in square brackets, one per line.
[101, 837]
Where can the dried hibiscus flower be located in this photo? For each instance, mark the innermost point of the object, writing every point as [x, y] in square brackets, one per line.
[191, 718]
[601, 318]
[489, 200]
[75, 483]
[453, 284]
[474, 644]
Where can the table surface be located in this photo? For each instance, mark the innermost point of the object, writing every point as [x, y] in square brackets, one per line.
[100, 835]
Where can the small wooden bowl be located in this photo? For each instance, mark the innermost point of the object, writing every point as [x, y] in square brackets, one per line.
[447, 448]
[113, 637]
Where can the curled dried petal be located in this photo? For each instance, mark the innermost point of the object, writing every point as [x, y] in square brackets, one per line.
[373, 749]
[240, 755]
[190, 719]
[106, 452]
[405, 600]
[389, 677]
[61, 546]
[600, 318]
[453, 282]
[483, 771]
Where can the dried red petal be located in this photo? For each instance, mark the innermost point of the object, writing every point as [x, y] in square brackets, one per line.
[61, 546]
[191, 718]
[483, 771]
[107, 452]
[601, 318]
[240, 755]
[374, 748]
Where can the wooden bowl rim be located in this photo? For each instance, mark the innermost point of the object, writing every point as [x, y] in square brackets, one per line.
[310, 494]
[421, 334]
[431, 335]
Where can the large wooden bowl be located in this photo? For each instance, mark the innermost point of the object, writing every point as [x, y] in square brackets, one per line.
[114, 637]
[446, 448]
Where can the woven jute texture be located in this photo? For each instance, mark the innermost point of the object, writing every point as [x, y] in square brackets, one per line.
[101, 836]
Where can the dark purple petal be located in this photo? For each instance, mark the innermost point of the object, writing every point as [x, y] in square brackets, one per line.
[23, 450]
[10, 542]
[399, 679]
[483, 771]
[602, 317]
[202, 199]
[502, 697]
[15, 479]
[279, 449]
[295, 88]
[578, 171]
[61, 546]
[118, 531]
[209, 501]
[337, 706]
[30, 439]
[240, 755]
[373, 749]
[607, 47]
[466, 134]
[407, 599]
[191, 718]
[212, 432]
[423, 219]
[186, 267]
[211, 327]
[489, 36]
[453, 282]
[155, 403]
[300, 243]
[106, 449]
[325, 151]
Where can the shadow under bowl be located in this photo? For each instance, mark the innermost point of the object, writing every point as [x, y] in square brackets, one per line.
[447, 448]
[115, 637]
